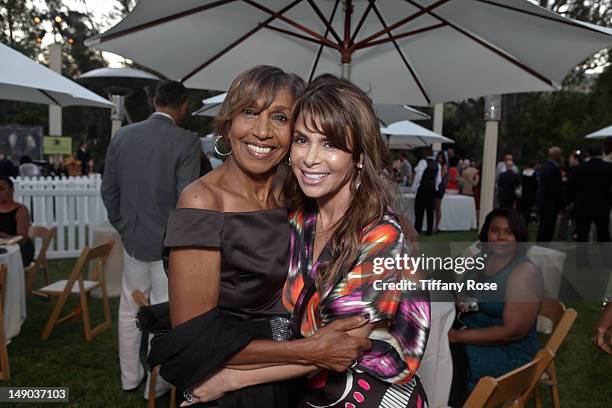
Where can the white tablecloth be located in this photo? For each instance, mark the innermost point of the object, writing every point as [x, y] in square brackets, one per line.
[113, 270]
[14, 308]
[458, 212]
[436, 369]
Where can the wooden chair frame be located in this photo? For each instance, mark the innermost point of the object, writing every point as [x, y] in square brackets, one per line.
[511, 389]
[5, 369]
[40, 263]
[142, 301]
[99, 254]
[562, 320]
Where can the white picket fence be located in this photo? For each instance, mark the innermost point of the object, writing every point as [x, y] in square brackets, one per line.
[72, 204]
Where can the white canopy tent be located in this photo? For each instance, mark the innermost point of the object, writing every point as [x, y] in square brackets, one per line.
[386, 113]
[408, 135]
[601, 133]
[22, 79]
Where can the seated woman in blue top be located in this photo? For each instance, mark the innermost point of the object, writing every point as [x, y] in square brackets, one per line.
[501, 335]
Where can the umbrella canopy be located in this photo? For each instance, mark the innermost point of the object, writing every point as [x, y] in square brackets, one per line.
[22, 79]
[386, 113]
[118, 81]
[601, 133]
[408, 135]
[415, 52]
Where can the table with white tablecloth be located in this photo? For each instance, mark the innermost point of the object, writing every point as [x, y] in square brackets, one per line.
[14, 307]
[458, 211]
[436, 369]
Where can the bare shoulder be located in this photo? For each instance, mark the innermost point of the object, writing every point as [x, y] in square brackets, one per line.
[22, 211]
[201, 194]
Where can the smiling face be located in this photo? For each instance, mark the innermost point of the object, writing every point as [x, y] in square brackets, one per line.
[322, 170]
[502, 240]
[6, 191]
[260, 138]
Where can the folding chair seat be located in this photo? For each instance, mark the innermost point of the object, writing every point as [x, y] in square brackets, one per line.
[77, 285]
[5, 369]
[40, 263]
[142, 301]
[561, 320]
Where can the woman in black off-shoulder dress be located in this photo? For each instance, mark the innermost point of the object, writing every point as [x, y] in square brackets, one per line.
[227, 248]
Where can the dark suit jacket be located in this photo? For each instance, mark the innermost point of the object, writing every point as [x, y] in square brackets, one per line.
[593, 184]
[147, 165]
[550, 187]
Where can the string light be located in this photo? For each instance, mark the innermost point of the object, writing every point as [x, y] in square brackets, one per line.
[37, 20]
[58, 19]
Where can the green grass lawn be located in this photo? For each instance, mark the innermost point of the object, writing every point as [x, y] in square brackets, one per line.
[91, 370]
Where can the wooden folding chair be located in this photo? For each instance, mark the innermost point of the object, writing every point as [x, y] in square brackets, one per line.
[40, 263]
[511, 389]
[77, 285]
[142, 301]
[5, 369]
[562, 320]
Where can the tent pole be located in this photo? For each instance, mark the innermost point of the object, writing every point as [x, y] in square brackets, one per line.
[438, 123]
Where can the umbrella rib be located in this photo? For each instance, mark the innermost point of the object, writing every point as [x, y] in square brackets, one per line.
[362, 20]
[287, 20]
[163, 20]
[237, 42]
[511, 59]
[404, 21]
[328, 25]
[300, 36]
[403, 57]
[403, 35]
[570, 23]
[320, 50]
[50, 97]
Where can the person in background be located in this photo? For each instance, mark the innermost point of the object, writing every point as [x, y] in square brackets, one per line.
[607, 150]
[602, 334]
[27, 168]
[426, 181]
[507, 184]
[529, 187]
[501, 166]
[568, 215]
[15, 220]
[405, 170]
[549, 197]
[501, 335]
[205, 165]
[83, 156]
[468, 176]
[147, 166]
[452, 186]
[7, 168]
[593, 196]
[441, 159]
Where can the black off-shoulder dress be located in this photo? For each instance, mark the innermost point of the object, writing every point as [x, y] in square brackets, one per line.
[254, 263]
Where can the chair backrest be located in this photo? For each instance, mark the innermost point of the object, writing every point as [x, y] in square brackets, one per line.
[47, 235]
[561, 329]
[98, 253]
[511, 389]
[553, 310]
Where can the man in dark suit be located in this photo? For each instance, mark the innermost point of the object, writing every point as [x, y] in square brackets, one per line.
[549, 197]
[83, 156]
[593, 198]
[147, 165]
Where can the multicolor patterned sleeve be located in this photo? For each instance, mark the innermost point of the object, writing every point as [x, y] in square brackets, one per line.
[398, 345]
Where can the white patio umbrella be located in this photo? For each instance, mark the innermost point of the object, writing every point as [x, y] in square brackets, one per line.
[22, 79]
[601, 133]
[386, 113]
[414, 52]
[407, 135]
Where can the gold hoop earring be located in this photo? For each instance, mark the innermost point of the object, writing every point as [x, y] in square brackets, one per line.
[217, 149]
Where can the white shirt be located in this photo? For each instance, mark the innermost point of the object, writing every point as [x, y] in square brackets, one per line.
[420, 169]
[164, 114]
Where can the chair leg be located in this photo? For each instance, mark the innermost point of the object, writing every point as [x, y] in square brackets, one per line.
[172, 396]
[57, 309]
[554, 387]
[152, 385]
[537, 395]
[85, 315]
[46, 272]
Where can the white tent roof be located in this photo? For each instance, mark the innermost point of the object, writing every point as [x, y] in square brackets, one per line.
[601, 133]
[408, 135]
[22, 79]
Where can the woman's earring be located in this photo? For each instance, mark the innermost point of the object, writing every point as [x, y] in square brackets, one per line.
[217, 149]
[288, 161]
[358, 178]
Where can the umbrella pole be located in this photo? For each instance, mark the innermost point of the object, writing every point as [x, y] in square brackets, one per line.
[346, 71]
[487, 182]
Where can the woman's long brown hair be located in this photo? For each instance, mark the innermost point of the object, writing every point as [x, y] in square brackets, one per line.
[344, 114]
